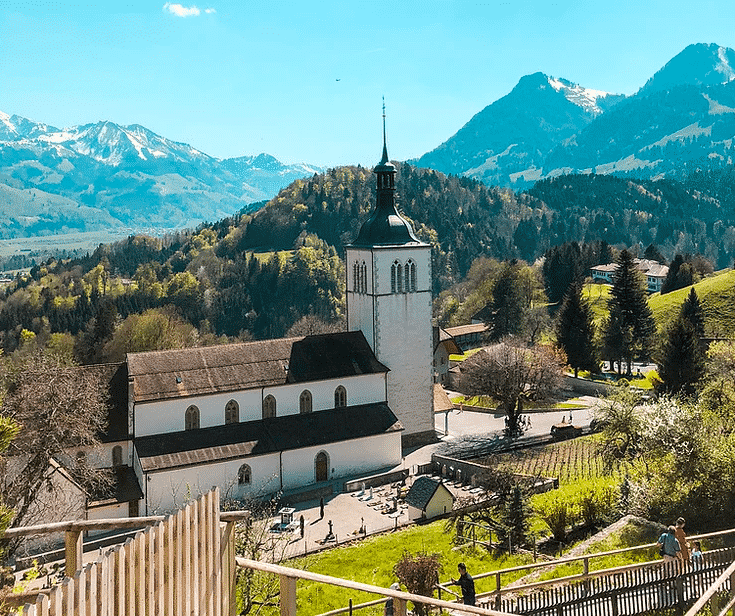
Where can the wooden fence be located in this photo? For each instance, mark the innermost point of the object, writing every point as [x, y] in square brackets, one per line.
[634, 589]
[183, 565]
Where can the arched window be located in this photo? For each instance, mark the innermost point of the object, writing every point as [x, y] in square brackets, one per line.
[399, 278]
[305, 402]
[232, 412]
[340, 397]
[321, 466]
[413, 276]
[406, 278]
[191, 419]
[269, 407]
[244, 475]
[393, 276]
[355, 278]
[117, 456]
[363, 269]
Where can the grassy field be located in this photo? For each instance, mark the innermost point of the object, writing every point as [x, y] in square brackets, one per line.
[716, 293]
[371, 561]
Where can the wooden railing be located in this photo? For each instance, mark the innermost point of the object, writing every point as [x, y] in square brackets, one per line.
[288, 578]
[182, 564]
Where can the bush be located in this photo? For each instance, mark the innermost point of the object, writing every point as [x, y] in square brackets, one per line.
[419, 573]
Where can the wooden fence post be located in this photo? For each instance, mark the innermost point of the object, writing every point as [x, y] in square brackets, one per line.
[73, 547]
[288, 595]
[399, 607]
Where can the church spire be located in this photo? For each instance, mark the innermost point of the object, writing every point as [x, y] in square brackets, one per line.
[385, 226]
[385, 141]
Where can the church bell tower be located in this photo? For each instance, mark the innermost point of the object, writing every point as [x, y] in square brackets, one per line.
[389, 300]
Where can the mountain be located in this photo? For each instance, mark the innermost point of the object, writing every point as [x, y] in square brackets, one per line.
[104, 175]
[510, 139]
[700, 65]
[683, 118]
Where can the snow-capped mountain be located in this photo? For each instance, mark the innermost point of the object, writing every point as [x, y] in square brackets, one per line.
[699, 65]
[508, 141]
[548, 126]
[139, 178]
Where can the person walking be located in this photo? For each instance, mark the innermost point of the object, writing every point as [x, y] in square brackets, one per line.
[669, 545]
[682, 539]
[466, 584]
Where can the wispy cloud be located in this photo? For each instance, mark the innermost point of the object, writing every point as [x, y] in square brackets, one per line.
[186, 11]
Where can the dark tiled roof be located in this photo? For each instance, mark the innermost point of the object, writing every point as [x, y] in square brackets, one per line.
[260, 437]
[124, 488]
[463, 330]
[448, 341]
[179, 373]
[189, 372]
[114, 378]
[441, 399]
[421, 492]
[332, 356]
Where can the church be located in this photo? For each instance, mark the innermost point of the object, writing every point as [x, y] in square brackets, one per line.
[262, 417]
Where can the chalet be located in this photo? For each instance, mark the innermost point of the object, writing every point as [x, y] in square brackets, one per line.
[654, 272]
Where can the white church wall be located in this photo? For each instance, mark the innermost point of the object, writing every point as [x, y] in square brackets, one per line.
[167, 490]
[347, 458]
[169, 415]
[98, 456]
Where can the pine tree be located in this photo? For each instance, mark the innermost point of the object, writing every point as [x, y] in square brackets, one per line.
[575, 331]
[628, 299]
[508, 308]
[681, 359]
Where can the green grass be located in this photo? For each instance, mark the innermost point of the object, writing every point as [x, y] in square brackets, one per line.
[716, 293]
[628, 536]
[467, 354]
[371, 561]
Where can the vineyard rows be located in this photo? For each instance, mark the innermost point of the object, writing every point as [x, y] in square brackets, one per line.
[572, 460]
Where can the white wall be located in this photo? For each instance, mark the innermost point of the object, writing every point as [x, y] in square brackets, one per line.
[169, 415]
[440, 503]
[346, 458]
[99, 456]
[398, 328]
[168, 490]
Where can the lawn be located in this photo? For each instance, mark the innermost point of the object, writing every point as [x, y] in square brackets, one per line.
[371, 561]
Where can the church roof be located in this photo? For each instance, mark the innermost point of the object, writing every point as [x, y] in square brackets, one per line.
[385, 227]
[255, 438]
[159, 375]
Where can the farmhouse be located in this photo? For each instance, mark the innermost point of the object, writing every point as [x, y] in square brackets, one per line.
[654, 272]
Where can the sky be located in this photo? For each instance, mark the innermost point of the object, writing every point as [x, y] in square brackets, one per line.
[304, 81]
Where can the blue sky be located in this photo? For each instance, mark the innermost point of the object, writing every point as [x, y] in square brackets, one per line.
[303, 81]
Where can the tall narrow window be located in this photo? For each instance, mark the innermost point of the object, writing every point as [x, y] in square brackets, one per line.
[363, 269]
[413, 276]
[340, 397]
[355, 278]
[244, 475]
[399, 278]
[406, 278]
[191, 419]
[269, 407]
[393, 275]
[232, 412]
[117, 456]
[305, 401]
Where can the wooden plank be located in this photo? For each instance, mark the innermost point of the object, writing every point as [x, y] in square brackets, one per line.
[195, 565]
[179, 549]
[170, 555]
[160, 568]
[288, 595]
[151, 563]
[217, 578]
[185, 588]
[92, 589]
[140, 570]
[42, 605]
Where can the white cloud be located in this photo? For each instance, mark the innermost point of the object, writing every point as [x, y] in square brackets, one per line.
[185, 11]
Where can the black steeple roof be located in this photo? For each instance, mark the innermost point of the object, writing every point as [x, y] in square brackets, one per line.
[385, 226]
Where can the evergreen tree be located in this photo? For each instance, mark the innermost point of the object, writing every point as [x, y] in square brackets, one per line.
[629, 303]
[508, 307]
[575, 331]
[515, 517]
[681, 359]
[692, 311]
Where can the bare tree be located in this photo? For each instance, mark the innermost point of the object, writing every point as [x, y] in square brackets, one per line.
[419, 573]
[60, 408]
[511, 374]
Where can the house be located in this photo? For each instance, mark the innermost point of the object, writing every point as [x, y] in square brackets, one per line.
[654, 272]
[267, 416]
[469, 336]
[428, 498]
[444, 346]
